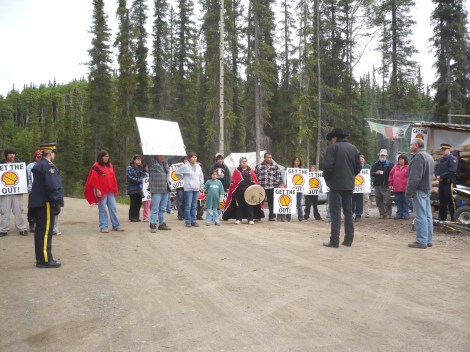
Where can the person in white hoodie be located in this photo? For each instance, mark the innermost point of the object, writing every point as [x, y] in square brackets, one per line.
[193, 178]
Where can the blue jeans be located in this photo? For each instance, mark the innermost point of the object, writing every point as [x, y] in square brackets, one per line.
[180, 202]
[108, 200]
[212, 215]
[403, 207]
[423, 216]
[358, 204]
[300, 210]
[168, 203]
[158, 207]
[190, 206]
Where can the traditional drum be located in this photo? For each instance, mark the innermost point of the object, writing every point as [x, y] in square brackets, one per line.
[255, 195]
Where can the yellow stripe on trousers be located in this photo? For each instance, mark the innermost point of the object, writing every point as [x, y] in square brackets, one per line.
[48, 225]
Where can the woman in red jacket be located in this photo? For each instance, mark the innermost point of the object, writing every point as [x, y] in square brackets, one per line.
[397, 182]
[101, 188]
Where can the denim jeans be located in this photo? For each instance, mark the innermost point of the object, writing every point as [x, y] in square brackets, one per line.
[423, 216]
[108, 200]
[358, 204]
[158, 208]
[180, 202]
[168, 203]
[403, 208]
[300, 210]
[190, 206]
[212, 215]
[338, 200]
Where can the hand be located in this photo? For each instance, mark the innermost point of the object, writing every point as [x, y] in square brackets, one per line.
[55, 209]
[98, 193]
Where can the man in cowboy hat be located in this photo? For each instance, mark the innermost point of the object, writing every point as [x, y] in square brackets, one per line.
[341, 166]
[445, 172]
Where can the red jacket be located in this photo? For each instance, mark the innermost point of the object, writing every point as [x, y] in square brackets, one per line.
[102, 178]
[398, 178]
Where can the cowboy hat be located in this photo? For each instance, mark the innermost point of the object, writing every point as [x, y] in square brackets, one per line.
[337, 132]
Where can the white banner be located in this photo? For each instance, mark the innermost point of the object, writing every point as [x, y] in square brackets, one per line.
[145, 190]
[362, 182]
[285, 201]
[297, 179]
[13, 179]
[160, 137]
[316, 183]
[421, 133]
[173, 180]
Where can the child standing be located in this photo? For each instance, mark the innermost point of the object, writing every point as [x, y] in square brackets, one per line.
[148, 202]
[215, 192]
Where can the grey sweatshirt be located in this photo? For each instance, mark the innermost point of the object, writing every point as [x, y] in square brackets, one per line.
[420, 173]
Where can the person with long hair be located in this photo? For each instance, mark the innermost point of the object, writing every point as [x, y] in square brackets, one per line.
[297, 163]
[397, 181]
[134, 175]
[101, 188]
[312, 201]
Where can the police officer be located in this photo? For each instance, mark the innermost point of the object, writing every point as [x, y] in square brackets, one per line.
[45, 200]
[445, 173]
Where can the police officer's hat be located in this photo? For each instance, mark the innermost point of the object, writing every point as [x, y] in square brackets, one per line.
[445, 146]
[51, 147]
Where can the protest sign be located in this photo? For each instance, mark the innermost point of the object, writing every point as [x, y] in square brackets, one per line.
[159, 137]
[173, 179]
[285, 201]
[362, 182]
[297, 179]
[316, 184]
[13, 179]
[421, 133]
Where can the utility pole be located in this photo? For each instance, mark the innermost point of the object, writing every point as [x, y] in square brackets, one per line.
[221, 78]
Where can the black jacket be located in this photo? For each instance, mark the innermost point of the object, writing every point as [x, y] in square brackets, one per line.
[47, 185]
[223, 174]
[381, 180]
[341, 165]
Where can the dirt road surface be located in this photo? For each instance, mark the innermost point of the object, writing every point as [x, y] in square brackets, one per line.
[267, 287]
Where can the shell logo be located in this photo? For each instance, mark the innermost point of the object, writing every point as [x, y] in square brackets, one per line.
[359, 181]
[222, 204]
[298, 180]
[174, 177]
[285, 200]
[314, 183]
[10, 179]
[420, 136]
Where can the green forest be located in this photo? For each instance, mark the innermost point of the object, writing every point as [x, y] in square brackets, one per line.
[286, 82]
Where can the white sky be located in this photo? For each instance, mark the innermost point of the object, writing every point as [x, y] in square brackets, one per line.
[43, 40]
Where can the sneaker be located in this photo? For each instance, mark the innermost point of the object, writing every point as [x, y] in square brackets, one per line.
[153, 228]
[251, 222]
[119, 229]
[238, 222]
[188, 225]
[104, 230]
[164, 227]
[180, 218]
[429, 244]
[418, 245]
[146, 220]
[57, 233]
[217, 224]
[3, 234]
[195, 225]
[24, 233]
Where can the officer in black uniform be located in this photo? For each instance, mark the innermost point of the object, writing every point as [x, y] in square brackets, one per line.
[445, 173]
[45, 201]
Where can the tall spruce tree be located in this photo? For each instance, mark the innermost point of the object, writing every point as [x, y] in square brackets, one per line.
[100, 110]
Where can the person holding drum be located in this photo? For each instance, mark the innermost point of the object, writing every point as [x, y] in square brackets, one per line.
[245, 196]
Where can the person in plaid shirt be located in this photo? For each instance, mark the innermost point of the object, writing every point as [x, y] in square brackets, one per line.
[269, 177]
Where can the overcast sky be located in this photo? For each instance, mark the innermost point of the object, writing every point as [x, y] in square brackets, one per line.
[43, 40]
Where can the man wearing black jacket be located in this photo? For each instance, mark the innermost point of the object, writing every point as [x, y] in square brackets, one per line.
[342, 164]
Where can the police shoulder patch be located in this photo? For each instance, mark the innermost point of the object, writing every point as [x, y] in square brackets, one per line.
[51, 171]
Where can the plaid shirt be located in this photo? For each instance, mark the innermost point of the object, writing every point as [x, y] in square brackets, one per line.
[158, 177]
[269, 176]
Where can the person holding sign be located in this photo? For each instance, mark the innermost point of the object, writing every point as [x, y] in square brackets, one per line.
[158, 182]
[341, 166]
[297, 164]
[11, 202]
[269, 176]
[311, 200]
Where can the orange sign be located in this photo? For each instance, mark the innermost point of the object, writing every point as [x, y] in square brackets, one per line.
[314, 183]
[10, 179]
[359, 181]
[285, 200]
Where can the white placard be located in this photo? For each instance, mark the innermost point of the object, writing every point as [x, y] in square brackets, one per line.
[297, 179]
[285, 201]
[160, 137]
[13, 179]
[145, 190]
[316, 184]
[362, 182]
[173, 179]
[421, 133]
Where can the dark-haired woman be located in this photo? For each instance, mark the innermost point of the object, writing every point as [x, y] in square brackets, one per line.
[297, 164]
[134, 175]
[101, 188]
[397, 182]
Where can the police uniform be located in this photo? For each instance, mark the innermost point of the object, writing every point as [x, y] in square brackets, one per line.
[446, 169]
[45, 200]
